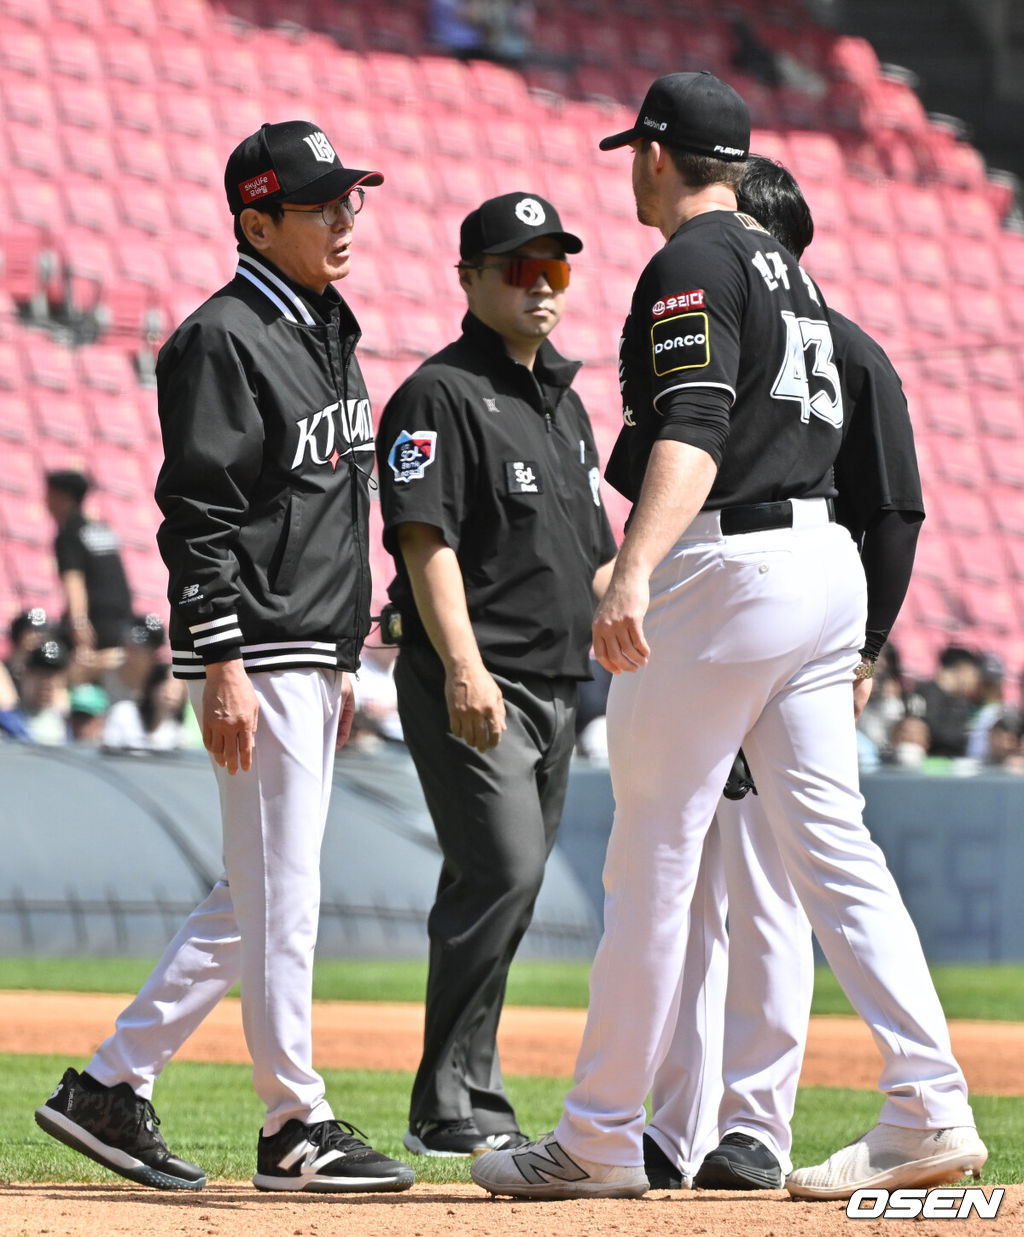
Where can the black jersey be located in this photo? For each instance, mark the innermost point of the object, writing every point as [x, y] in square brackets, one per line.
[92, 548]
[724, 311]
[876, 468]
[502, 460]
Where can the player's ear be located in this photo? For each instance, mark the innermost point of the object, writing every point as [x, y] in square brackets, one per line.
[255, 225]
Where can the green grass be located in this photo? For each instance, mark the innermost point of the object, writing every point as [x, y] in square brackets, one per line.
[986, 992]
[210, 1115]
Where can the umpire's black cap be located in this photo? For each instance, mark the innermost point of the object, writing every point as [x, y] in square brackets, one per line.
[502, 224]
[692, 111]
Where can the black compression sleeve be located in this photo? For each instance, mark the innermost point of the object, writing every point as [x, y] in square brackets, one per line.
[888, 557]
[696, 415]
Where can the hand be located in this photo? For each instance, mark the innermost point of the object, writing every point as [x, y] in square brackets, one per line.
[619, 643]
[348, 712]
[476, 709]
[230, 712]
[861, 692]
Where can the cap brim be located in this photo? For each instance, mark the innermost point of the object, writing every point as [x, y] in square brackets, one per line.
[335, 184]
[619, 139]
[569, 242]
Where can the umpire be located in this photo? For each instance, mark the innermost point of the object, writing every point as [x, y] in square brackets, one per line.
[489, 485]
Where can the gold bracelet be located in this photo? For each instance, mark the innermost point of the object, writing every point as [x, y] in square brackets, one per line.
[864, 670]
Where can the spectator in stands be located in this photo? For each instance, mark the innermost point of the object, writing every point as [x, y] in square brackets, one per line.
[143, 639]
[12, 720]
[1005, 750]
[990, 707]
[87, 714]
[909, 742]
[27, 631]
[947, 701]
[97, 599]
[44, 696]
[490, 29]
[153, 723]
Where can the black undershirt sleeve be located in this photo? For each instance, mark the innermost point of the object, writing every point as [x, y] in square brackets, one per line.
[887, 554]
[698, 416]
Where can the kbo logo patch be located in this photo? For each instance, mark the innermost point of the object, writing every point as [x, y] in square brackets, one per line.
[412, 454]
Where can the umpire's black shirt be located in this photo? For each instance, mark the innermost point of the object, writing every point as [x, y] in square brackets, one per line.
[502, 460]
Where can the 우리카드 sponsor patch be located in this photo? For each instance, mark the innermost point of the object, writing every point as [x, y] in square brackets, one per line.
[676, 304]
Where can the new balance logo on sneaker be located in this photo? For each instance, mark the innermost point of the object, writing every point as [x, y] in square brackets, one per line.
[327, 1158]
[544, 1169]
[117, 1129]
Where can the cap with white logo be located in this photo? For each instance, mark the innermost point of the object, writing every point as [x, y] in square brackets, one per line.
[504, 223]
[289, 162]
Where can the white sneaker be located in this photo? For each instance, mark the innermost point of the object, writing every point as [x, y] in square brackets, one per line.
[544, 1169]
[889, 1157]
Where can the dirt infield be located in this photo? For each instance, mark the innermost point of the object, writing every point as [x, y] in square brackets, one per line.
[368, 1036]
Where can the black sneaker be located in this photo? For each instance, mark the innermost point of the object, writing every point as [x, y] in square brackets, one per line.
[325, 1158]
[739, 1162]
[446, 1139]
[112, 1126]
[661, 1172]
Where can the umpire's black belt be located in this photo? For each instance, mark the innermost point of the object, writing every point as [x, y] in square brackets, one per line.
[758, 517]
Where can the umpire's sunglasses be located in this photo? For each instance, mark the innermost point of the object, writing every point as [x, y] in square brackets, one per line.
[524, 272]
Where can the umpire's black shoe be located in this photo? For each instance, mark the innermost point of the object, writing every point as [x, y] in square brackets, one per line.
[739, 1162]
[661, 1172]
[448, 1139]
[117, 1129]
[326, 1158]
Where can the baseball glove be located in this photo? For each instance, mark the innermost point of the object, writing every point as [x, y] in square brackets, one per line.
[740, 779]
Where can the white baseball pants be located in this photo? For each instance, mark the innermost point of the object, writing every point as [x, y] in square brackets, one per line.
[753, 642]
[259, 923]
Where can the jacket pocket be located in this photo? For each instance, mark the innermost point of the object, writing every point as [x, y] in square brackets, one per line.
[289, 547]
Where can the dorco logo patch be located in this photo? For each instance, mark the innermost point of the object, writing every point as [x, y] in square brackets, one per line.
[523, 477]
[680, 342]
[412, 454]
[679, 302]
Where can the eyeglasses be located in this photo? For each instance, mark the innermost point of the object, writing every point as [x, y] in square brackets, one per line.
[331, 212]
[524, 272]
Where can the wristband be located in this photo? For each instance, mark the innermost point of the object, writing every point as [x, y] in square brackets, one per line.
[864, 670]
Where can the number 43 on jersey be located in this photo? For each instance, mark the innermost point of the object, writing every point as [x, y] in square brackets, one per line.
[808, 354]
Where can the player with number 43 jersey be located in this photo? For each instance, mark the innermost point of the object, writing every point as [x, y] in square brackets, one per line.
[695, 311]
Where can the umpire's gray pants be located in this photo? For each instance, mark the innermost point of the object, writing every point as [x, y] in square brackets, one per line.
[496, 815]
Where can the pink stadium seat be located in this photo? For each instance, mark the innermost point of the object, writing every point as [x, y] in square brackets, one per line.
[815, 156]
[24, 519]
[957, 458]
[190, 18]
[880, 310]
[106, 368]
[27, 100]
[48, 364]
[924, 259]
[1004, 462]
[975, 261]
[142, 204]
[999, 414]
[499, 88]
[142, 155]
[30, 148]
[941, 409]
[875, 258]
[134, 108]
[969, 213]
[140, 19]
[179, 60]
[929, 310]
[977, 557]
[60, 424]
[868, 205]
[126, 57]
[233, 64]
[918, 210]
[87, 151]
[959, 508]
[70, 52]
[20, 472]
[33, 572]
[995, 368]
[29, 12]
[17, 414]
[979, 313]
[1009, 247]
[1012, 299]
[444, 81]
[22, 49]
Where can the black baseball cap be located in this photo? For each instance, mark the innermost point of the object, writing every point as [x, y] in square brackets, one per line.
[692, 111]
[289, 162]
[502, 224]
